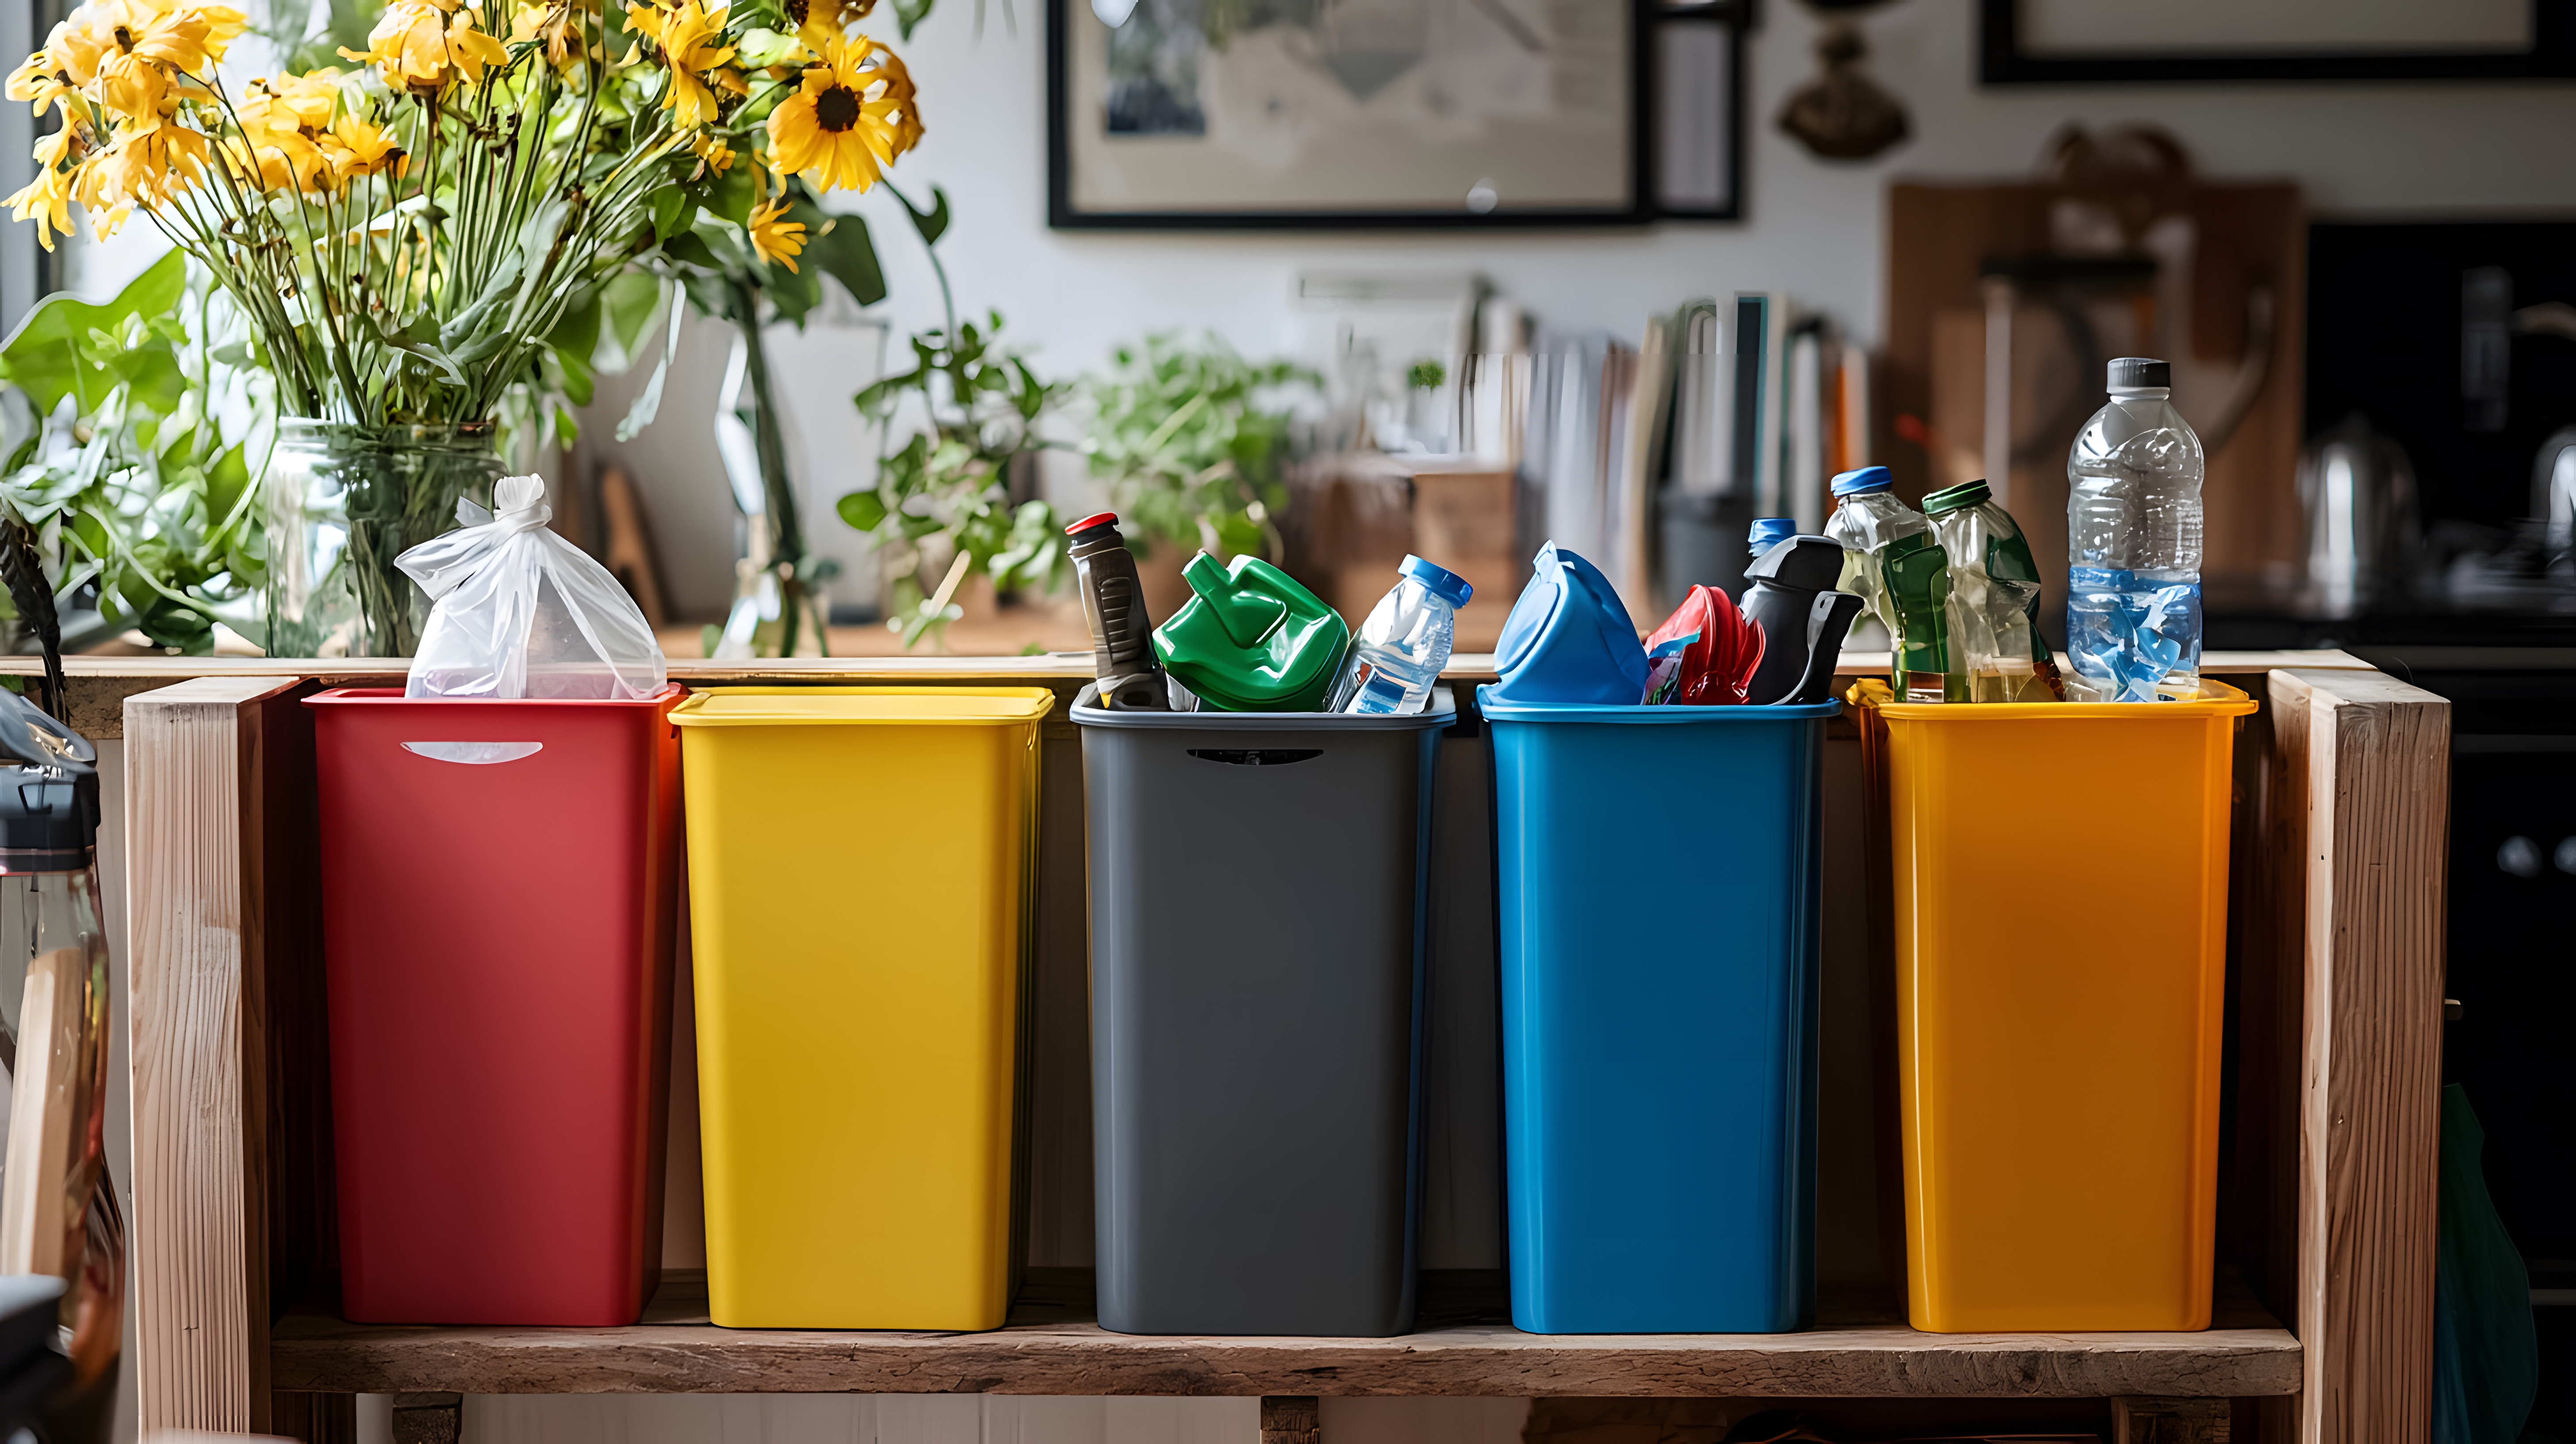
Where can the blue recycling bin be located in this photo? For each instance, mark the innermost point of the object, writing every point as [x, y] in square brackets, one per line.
[1657, 878]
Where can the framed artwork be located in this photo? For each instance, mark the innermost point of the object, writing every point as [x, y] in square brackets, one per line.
[2059, 41]
[1340, 114]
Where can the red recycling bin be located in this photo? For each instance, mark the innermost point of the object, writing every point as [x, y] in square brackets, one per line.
[499, 890]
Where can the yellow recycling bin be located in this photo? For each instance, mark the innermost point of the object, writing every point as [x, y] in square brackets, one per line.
[2060, 879]
[860, 868]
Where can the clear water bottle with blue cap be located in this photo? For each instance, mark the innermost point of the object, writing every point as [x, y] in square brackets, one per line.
[2133, 542]
[1769, 532]
[1867, 516]
[1404, 643]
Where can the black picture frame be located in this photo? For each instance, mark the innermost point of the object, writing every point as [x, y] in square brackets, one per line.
[1642, 208]
[2000, 62]
[1737, 17]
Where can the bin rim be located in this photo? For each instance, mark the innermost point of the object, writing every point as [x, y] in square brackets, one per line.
[2216, 699]
[1666, 715]
[1032, 705]
[1441, 712]
[393, 696]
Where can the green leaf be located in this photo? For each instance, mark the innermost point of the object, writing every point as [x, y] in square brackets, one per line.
[52, 355]
[576, 333]
[670, 211]
[863, 510]
[628, 301]
[931, 224]
[227, 480]
[730, 196]
[909, 13]
[841, 248]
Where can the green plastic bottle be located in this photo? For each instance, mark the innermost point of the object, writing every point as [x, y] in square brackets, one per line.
[1252, 639]
[1996, 584]
[1918, 583]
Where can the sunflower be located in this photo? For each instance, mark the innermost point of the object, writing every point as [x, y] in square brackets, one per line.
[832, 130]
[686, 35]
[776, 240]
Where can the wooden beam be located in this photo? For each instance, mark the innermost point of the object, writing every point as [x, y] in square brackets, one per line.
[194, 915]
[2374, 755]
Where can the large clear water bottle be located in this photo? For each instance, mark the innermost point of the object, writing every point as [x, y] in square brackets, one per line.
[1404, 643]
[2133, 542]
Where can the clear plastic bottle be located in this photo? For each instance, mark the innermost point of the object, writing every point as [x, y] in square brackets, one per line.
[2133, 542]
[1866, 517]
[1404, 643]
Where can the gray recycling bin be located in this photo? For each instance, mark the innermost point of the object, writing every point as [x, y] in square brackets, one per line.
[1257, 904]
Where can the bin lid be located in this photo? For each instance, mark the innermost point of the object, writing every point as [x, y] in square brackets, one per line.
[848, 706]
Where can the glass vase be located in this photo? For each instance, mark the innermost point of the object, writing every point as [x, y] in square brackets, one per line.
[344, 501]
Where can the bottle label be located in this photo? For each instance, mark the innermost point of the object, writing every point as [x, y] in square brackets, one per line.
[1378, 692]
[2127, 633]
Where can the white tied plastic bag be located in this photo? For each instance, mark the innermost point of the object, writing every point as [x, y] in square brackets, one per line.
[517, 611]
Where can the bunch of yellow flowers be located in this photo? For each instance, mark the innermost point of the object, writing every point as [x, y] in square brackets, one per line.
[380, 224]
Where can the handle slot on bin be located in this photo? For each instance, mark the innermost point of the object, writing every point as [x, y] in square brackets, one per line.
[1256, 756]
[474, 754]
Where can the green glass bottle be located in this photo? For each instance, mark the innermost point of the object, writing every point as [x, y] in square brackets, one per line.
[1918, 582]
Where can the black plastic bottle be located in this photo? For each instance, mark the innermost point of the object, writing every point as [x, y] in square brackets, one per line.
[1113, 602]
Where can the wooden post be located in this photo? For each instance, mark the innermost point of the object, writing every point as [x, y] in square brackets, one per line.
[195, 854]
[2374, 756]
[1291, 1419]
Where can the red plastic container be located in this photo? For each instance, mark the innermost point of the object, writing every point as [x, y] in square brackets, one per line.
[499, 891]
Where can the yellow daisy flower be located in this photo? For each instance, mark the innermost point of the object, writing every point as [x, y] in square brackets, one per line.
[357, 148]
[717, 155]
[553, 24]
[833, 130]
[687, 35]
[777, 241]
[47, 200]
[39, 80]
[418, 45]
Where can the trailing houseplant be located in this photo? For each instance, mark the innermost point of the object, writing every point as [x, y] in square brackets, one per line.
[1193, 444]
[416, 240]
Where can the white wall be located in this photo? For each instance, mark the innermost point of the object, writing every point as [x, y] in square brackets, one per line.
[1813, 227]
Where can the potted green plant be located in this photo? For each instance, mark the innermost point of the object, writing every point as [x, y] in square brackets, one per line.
[1194, 443]
[958, 500]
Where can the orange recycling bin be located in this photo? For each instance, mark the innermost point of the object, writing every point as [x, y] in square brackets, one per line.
[2060, 888]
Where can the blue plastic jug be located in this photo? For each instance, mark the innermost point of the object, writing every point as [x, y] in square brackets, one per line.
[1569, 638]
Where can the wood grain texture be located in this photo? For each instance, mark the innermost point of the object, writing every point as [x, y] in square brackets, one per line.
[1291, 1418]
[199, 1264]
[37, 1217]
[675, 1350]
[2377, 762]
[2171, 1421]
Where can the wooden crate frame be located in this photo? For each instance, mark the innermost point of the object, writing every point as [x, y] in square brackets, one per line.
[2341, 834]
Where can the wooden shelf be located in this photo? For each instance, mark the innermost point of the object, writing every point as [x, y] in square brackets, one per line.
[1051, 1346]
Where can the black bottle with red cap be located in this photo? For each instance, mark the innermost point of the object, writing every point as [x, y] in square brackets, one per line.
[1113, 602]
